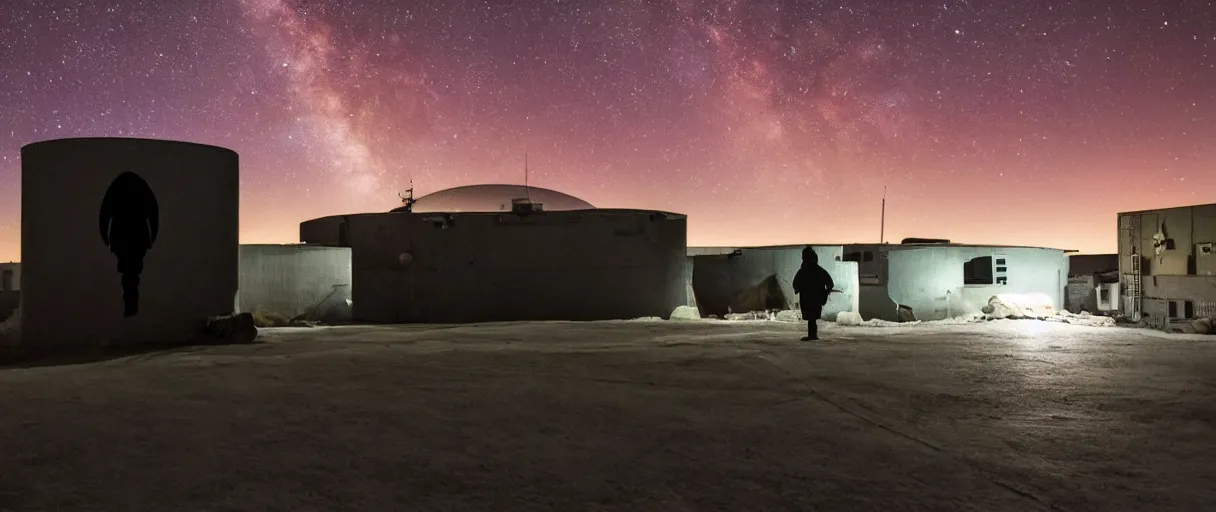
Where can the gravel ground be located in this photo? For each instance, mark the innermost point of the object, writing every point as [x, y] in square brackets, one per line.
[640, 415]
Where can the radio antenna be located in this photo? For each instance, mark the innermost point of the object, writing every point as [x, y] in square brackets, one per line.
[882, 226]
[527, 190]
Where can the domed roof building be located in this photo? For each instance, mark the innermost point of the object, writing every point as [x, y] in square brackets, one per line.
[495, 198]
[488, 253]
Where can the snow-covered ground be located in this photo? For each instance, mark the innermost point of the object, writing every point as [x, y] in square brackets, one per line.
[637, 415]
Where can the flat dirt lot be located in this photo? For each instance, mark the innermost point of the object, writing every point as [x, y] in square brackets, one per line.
[638, 416]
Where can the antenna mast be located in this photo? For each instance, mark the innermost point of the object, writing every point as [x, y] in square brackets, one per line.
[407, 201]
[882, 226]
[527, 191]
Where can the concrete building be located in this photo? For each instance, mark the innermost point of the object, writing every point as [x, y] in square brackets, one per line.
[296, 281]
[126, 241]
[1093, 284]
[495, 198]
[525, 264]
[10, 289]
[933, 281]
[745, 279]
[1167, 268]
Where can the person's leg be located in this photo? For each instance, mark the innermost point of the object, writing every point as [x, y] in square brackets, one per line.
[130, 294]
[130, 265]
[812, 326]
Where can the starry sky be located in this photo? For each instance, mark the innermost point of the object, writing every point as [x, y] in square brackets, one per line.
[766, 121]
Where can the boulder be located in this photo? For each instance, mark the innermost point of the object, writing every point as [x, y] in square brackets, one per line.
[685, 313]
[848, 318]
[238, 328]
[1202, 326]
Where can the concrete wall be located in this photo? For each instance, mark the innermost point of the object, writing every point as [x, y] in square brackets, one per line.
[719, 276]
[72, 291]
[1087, 264]
[10, 289]
[296, 281]
[10, 277]
[571, 265]
[1183, 272]
[1081, 294]
[930, 279]
[331, 231]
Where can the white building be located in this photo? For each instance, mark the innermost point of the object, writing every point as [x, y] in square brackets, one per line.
[943, 280]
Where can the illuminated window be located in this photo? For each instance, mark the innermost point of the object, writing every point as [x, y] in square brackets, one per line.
[978, 271]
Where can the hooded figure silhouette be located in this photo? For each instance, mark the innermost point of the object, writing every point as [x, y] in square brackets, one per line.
[813, 284]
[129, 220]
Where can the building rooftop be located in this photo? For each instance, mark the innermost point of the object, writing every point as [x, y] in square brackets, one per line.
[495, 198]
[1164, 208]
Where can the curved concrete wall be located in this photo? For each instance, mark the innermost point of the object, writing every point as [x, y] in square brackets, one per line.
[571, 265]
[90, 208]
[296, 281]
[929, 279]
[719, 277]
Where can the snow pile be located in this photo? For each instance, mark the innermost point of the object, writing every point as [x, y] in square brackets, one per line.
[685, 313]
[750, 315]
[962, 320]
[1038, 306]
[878, 322]
[848, 318]
[1202, 326]
[789, 315]
[1082, 318]
[1020, 305]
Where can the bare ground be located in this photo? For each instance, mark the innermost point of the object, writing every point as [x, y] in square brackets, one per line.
[663, 416]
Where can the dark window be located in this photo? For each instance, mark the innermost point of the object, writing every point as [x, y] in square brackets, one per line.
[1173, 309]
[860, 256]
[1000, 261]
[6, 282]
[978, 271]
[1188, 309]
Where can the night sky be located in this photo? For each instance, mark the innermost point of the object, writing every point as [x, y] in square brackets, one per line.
[767, 122]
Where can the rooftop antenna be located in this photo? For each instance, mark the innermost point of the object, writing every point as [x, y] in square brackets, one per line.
[527, 191]
[882, 226]
[408, 200]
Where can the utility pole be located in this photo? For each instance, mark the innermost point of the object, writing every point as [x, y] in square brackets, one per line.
[527, 191]
[882, 227]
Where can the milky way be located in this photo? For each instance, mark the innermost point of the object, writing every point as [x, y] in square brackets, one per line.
[766, 121]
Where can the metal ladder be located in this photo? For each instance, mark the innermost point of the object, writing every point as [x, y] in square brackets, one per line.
[1134, 289]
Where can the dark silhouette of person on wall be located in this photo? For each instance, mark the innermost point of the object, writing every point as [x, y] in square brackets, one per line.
[813, 284]
[129, 220]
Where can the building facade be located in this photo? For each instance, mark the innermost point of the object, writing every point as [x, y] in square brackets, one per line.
[1093, 284]
[934, 281]
[599, 264]
[296, 281]
[1167, 269]
[10, 289]
[745, 279]
[164, 259]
